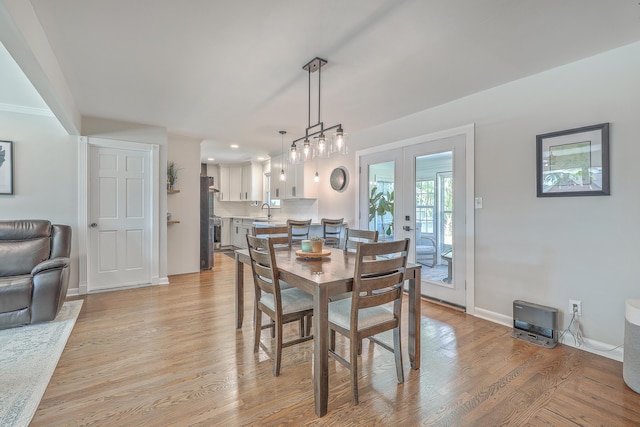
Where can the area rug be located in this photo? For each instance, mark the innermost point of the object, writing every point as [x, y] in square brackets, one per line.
[28, 357]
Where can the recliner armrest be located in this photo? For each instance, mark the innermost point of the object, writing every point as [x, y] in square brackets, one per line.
[50, 264]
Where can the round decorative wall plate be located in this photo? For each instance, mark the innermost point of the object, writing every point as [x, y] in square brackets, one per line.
[338, 179]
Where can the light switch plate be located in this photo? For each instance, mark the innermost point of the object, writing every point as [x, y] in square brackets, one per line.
[478, 202]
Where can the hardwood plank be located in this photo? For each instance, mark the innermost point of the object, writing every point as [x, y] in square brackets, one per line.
[170, 355]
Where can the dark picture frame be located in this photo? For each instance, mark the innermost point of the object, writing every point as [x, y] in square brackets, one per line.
[573, 162]
[6, 167]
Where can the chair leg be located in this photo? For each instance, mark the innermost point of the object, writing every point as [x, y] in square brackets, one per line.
[397, 352]
[332, 340]
[257, 324]
[354, 344]
[278, 349]
[273, 329]
[301, 327]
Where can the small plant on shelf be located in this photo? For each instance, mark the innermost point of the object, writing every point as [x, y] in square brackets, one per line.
[172, 175]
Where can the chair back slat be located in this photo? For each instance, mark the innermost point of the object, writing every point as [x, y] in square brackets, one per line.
[381, 265]
[381, 281]
[279, 235]
[352, 236]
[380, 297]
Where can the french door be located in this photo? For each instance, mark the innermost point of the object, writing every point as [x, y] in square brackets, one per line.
[421, 191]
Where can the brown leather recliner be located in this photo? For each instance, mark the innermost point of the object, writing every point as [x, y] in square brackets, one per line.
[34, 271]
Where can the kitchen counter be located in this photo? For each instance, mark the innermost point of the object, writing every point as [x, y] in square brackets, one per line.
[263, 221]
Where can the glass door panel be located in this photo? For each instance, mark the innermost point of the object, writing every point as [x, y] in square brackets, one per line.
[381, 199]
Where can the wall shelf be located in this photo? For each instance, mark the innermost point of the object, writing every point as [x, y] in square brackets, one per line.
[172, 191]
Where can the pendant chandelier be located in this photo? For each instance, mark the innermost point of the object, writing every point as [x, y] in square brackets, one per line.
[314, 143]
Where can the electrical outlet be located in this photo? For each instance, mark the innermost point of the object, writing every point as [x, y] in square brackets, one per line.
[577, 304]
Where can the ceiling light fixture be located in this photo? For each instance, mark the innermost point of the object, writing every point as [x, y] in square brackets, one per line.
[321, 148]
[282, 175]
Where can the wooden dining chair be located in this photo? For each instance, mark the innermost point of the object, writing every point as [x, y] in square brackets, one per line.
[331, 231]
[298, 230]
[281, 305]
[375, 304]
[352, 236]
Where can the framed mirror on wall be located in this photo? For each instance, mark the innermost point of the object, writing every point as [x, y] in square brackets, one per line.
[339, 179]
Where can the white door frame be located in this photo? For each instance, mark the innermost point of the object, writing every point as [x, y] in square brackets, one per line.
[468, 131]
[83, 204]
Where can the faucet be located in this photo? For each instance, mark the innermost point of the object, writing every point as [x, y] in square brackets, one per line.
[268, 209]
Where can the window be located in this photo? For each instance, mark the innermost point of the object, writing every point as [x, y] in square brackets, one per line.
[274, 203]
[445, 192]
[425, 205]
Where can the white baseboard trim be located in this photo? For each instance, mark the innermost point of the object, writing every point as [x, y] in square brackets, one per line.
[494, 317]
[121, 288]
[592, 346]
[73, 292]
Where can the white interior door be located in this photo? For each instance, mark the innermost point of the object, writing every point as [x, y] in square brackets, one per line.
[119, 218]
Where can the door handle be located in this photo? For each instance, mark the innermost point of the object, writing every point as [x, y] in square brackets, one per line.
[407, 228]
[93, 225]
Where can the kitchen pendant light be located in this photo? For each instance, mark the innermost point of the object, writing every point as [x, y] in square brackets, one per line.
[282, 174]
[316, 177]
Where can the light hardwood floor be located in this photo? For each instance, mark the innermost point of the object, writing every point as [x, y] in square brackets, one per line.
[171, 356]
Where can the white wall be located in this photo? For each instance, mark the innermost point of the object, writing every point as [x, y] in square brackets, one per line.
[183, 239]
[45, 175]
[548, 250]
[333, 204]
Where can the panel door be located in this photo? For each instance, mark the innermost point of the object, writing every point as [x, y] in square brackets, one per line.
[119, 218]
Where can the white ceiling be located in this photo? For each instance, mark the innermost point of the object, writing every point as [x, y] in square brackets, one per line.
[230, 71]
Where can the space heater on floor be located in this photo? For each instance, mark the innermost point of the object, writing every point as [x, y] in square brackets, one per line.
[534, 323]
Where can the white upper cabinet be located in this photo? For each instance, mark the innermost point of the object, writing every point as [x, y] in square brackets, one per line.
[277, 187]
[252, 182]
[295, 182]
[241, 183]
[294, 185]
[230, 184]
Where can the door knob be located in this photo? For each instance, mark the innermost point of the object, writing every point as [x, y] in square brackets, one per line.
[93, 225]
[407, 228]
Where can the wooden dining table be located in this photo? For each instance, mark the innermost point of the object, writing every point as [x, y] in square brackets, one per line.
[322, 278]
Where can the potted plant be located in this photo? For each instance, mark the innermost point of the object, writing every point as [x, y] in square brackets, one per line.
[172, 175]
[316, 244]
[382, 203]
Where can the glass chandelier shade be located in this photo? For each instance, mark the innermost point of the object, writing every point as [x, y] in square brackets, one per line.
[339, 142]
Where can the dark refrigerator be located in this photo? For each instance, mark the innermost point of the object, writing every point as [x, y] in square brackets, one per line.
[209, 223]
